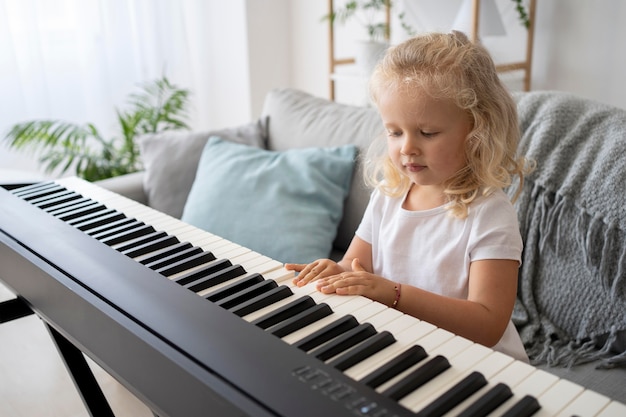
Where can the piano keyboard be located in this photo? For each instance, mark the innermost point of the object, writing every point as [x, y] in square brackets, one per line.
[424, 369]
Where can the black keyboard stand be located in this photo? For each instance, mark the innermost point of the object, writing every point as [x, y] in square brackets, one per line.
[82, 376]
[74, 360]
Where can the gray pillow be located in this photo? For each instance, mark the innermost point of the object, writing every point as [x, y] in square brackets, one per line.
[171, 160]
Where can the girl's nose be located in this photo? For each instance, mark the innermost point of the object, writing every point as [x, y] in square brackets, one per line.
[409, 146]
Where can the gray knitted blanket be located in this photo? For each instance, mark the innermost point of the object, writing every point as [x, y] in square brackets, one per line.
[571, 305]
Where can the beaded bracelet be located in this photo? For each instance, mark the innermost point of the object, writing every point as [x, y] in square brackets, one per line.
[398, 289]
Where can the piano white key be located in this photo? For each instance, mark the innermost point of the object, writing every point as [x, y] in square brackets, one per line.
[557, 397]
[587, 404]
[613, 409]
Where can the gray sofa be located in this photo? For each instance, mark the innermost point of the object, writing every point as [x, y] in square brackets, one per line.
[571, 307]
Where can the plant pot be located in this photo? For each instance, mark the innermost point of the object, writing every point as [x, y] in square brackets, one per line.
[367, 55]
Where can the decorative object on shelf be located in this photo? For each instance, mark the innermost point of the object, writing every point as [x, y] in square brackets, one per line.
[160, 106]
[490, 20]
[375, 17]
[479, 13]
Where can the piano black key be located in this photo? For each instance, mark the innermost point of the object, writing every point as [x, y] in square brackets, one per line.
[202, 272]
[263, 300]
[128, 235]
[343, 342]
[70, 205]
[284, 312]
[188, 263]
[31, 191]
[55, 199]
[454, 396]
[151, 246]
[326, 333]
[140, 241]
[525, 407]
[38, 193]
[394, 366]
[216, 278]
[81, 211]
[173, 258]
[89, 217]
[362, 351]
[417, 378]
[103, 223]
[118, 229]
[234, 287]
[155, 256]
[246, 294]
[488, 402]
[298, 321]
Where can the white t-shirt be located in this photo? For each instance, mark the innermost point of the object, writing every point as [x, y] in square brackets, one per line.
[432, 250]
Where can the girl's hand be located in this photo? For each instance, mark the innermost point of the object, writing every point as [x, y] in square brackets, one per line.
[321, 268]
[359, 282]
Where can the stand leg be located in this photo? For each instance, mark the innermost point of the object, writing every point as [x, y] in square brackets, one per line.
[13, 309]
[81, 374]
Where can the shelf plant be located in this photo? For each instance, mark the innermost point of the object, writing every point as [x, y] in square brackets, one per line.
[157, 107]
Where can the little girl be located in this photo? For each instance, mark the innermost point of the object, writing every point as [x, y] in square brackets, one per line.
[439, 239]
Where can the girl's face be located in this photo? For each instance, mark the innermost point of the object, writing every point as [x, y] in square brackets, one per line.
[425, 137]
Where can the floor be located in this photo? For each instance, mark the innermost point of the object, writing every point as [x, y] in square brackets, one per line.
[34, 381]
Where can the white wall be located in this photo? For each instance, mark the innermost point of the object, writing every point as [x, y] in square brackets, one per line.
[580, 45]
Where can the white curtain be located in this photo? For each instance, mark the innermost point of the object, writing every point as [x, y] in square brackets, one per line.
[77, 60]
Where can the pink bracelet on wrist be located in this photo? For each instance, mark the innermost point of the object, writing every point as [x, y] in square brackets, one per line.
[398, 289]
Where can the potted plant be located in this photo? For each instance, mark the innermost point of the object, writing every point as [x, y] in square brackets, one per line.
[159, 106]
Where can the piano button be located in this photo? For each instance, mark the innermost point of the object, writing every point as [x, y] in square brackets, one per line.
[201, 272]
[455, 395]
[128, 235]
[533, 385]
[557, 397]
[154, 244]
[335, 328]
[162, 253]
[140, 241]
[105, 222]
[614, 409]
[417, 377]
[168, 260]
[246, 294]
[488, 402]
[301, 320]
[362, 351]
[234, 287]
[394, 366]
[80, 212]
[202, 285]
[297, 293]
[525, 407]
[262, 300]
[68, 206]
[89, 217]
[343, 342]
[117, 230]
[186, 264]
[587, 404]
[366, 312]
[284, 312]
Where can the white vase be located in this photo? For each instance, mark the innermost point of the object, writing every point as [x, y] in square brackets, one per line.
[367, 55]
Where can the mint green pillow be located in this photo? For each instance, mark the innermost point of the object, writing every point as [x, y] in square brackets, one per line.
[285, 205]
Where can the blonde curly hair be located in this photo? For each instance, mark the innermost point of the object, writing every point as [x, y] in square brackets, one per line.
[449, 66]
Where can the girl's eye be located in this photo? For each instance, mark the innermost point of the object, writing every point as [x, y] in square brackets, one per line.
[428, 134]
[393, 133]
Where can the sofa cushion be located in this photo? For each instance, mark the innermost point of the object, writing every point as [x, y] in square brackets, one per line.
[285, 205]
[298, 120]
[171, 158]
